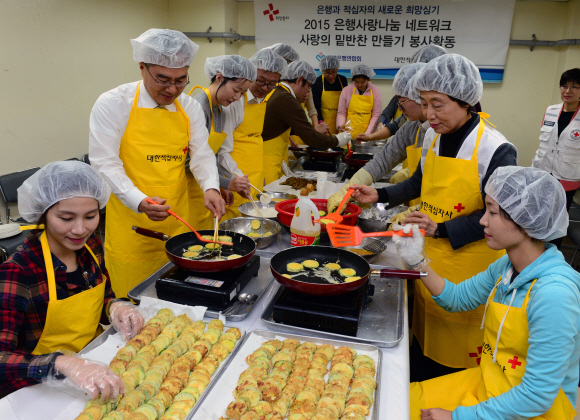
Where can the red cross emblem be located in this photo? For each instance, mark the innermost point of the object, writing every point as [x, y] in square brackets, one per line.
[575, 134]
[459, 207]
[271, 12]
[515, 362]
[185, 150]
[478, 355]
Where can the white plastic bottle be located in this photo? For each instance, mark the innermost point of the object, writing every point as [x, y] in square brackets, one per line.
[303, 231]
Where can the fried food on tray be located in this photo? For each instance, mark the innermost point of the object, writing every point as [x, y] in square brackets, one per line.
[299, 183]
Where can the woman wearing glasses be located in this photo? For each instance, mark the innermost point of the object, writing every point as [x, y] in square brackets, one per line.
[230, 76]
[326, 91]
[559, 152]
[140, 134]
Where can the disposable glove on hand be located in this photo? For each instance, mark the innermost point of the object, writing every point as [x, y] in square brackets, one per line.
[92, 377]
[400, 176]
[343, 138]
[360, 177]
[126, 318]
[410, 249]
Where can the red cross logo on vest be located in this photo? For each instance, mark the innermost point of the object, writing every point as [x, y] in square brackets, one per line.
[271, 12]
[515, 362]
[478, 355]
[575, 135]
[459, 207]
[185, 150]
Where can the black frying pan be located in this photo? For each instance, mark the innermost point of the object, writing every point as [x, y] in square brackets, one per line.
[324, 153]
[358, 160]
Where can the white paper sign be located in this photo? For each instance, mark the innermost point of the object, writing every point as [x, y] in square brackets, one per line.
[384, 34]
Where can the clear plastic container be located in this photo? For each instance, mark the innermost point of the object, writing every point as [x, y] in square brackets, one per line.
[303, 231]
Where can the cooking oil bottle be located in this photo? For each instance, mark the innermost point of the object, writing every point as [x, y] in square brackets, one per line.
[303, 231]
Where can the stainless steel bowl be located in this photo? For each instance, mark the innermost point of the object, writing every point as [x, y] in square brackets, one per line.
[373, 225]
[371, 148]
[242, 225]
[278, 196]
[248, 207]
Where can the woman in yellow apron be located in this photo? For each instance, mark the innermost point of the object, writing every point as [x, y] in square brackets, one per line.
[327, 89]
[230, 76]
[355, 105]
[528, 358]
[56, 290]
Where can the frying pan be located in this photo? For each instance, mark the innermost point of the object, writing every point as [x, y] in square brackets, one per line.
[357, 160]
[312, 285]
[324, 153]
[174, 246]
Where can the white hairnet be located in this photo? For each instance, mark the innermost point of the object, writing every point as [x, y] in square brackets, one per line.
[403, 83]
[453, 75]
[533, 198]
[301, 69]
[285, 51]
[329, 62]
[164, 47]
[427, 53]
[362, 70]
[59, 181]
[268, 60]
[232, 66]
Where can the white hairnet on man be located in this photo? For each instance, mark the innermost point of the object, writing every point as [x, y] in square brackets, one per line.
[230, 66]
[427, 53]
[302, 69]
[362, 70]
[268, 60]
[59, 181]
[403, 83]
[329, 62]
[533, 198]
[453, 75]
[164, 47]
[285, 51]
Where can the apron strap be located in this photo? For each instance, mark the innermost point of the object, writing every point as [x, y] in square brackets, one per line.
[527, 298]
[484, 116]
[480, 130]
[417, 136]
[185, 117]
[491, 296]
[324, 90]
[136, 98]
[210, 104]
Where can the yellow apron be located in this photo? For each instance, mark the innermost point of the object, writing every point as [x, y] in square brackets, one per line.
[450, 189]
[153, 151]
[329, 106]
[199, 216]
[248, 150]
[413, 159]
[359, 112]
[491, 378]
[276, 151]
[71, 323]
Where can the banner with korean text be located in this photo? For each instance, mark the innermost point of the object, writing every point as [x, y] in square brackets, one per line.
[384, 34]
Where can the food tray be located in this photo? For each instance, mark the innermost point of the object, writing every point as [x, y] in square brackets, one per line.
[381, 323]
[222, 395]
[256, 286]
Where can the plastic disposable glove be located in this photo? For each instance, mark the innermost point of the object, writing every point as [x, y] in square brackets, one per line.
[92, 377]
[400, 176]
[410, 249]
[343, 138]
[126, 318]
[360, 177]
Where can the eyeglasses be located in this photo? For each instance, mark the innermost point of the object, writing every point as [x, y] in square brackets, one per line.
[266, 85]
[167, 84]
[572, 88]
[400, 104]
[330, 72]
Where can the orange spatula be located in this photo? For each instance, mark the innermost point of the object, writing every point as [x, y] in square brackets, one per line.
[335, 216]
[192, 229]
[342, 235]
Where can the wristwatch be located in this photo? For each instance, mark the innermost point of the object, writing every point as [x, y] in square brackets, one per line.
[436, 234]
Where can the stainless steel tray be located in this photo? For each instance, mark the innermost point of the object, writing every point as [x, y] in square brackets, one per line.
[256, 286]
[271, 335]
[381, 323]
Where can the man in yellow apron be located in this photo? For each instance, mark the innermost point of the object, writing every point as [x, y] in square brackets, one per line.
[326, 91]
[527, 367]
[243, 152]
[140, 134]
[284, 113]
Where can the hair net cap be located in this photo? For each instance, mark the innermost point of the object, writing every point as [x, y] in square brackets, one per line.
[164, 47]
[59, 181]
[362, 70]
[285, 51]
[427, 53]
[329, 62]
[268, 60]
[404, 80]
[453, 75]
[301, 69]
[533, 198]
[232, 66]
